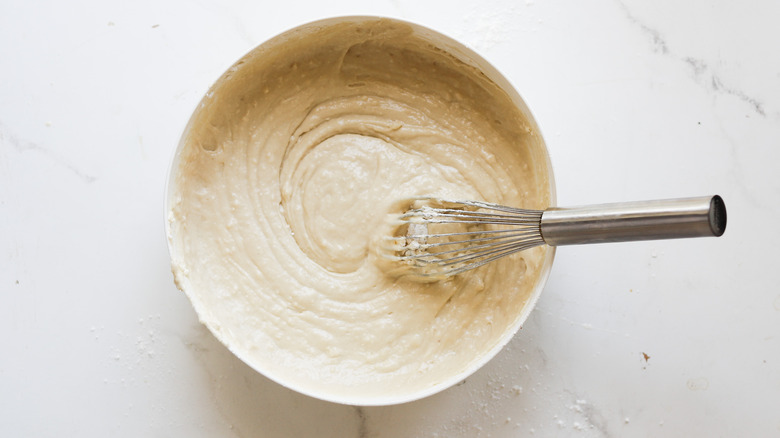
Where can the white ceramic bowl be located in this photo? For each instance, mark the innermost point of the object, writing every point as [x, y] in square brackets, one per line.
[468, 57]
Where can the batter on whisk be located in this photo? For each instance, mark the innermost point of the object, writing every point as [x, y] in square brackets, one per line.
[290, 174]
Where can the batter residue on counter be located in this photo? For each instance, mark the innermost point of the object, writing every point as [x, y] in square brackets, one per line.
[288, 172]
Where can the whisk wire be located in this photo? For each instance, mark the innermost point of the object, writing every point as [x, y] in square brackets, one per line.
[470, 243]
[445, 238]
[487, 260]
[440, 238]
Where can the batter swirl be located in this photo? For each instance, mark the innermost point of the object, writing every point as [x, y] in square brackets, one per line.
[288, 172]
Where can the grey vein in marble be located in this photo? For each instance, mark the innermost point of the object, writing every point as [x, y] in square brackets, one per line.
[22, 146]
[592, 416]
[702, 72]
[659, 44]
[362, 423]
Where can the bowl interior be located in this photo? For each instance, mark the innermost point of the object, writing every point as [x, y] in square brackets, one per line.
[209, 109]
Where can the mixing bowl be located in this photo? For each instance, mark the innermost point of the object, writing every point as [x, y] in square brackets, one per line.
[241, 302]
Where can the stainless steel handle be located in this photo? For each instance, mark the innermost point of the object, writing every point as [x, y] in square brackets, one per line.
[628, 221]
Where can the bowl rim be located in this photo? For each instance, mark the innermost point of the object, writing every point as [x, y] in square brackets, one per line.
[464, 54]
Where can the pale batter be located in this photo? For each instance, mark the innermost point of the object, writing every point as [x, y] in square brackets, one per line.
[287, 174]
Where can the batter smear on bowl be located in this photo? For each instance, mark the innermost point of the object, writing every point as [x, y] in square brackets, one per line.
[287, 173]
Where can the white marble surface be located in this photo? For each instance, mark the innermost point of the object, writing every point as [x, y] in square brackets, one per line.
[637, 100]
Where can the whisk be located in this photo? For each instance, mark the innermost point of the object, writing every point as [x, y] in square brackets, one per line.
[438, 238]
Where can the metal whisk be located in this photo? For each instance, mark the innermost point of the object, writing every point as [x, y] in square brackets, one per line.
[438, 238]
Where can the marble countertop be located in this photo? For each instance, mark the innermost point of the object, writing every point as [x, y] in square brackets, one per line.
[637, 100]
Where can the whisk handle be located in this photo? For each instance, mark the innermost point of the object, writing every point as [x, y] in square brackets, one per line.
[629, 221]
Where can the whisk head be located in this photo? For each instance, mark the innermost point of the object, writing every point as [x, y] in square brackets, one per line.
[436, 238]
